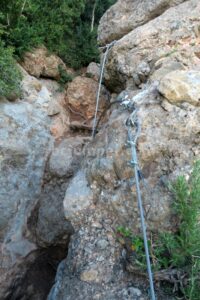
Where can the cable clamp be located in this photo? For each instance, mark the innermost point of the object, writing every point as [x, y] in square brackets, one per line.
[133, 163]
[131, 143]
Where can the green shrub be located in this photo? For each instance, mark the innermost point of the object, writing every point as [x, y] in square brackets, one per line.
[82, 48]
[10, 75]
[180, 250]
[63, 26]
[187, 240]
[64, 76]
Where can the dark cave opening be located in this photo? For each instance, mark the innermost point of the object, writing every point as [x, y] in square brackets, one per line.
[38, 279]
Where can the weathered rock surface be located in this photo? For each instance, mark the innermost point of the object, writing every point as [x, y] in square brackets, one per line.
[40, 63]
[172, 37]
[102, 195]
[181, 86]
[81, 98]
[57, 109]
[77, 198]
[49, 164]
[173, 128]
[64, 158]
[93, 70]
[63, 163]
[100, 275]
[19, 136]
[26, 143]
[127, 15]
[23, 129]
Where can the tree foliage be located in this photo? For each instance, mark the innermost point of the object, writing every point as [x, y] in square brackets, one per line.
[10, 74]
[63, 26]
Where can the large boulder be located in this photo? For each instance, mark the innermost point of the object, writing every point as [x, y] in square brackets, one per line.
[78, 198]
[40, 63]
[169, 39]
[81, 98]
[93, 71]
[127, 15]
[64, 159]
[181, 86]
[46, 93]
[26, 129]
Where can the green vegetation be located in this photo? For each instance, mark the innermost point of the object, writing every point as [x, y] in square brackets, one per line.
[10, 75]
[178, 251]
[67, 28]
[65, 77]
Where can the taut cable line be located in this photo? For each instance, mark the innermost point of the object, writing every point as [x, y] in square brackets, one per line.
[107, 47]
[133, 122]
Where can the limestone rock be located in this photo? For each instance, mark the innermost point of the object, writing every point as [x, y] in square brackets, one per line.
[18, 120]
[108, 175]
[170, 36]
[93, 70]
[102, 194]
[30, 87]
[81, 98]
[181, 86]
[65, 157]
[127, 15]
[64, 160]
[92, 273]
[53, 109]
[164, 66]
[40, 63]
[26, 143]
[78, 198]
[53, 185]
[56, 108]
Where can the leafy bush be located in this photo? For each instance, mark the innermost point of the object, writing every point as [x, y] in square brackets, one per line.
[63, 26]
[181, 250]
[65, 77]
[186, 243]
[178, 251]
[82, 49]
[10, 74]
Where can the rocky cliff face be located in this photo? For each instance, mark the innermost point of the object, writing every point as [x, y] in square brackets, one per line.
[58, 183]
[156, 65]
[39, 154]
[167, 43]
[27, 148]
[127, 15]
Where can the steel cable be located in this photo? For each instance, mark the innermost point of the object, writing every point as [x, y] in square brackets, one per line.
[133, 121]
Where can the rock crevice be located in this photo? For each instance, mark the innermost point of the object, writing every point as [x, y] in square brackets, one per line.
[63, 194]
